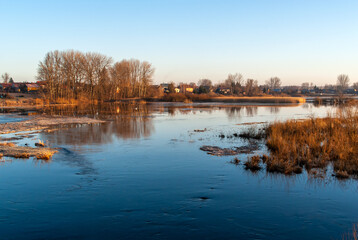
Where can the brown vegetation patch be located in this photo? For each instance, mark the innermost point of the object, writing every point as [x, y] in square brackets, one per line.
[8, 144]
[235, 161]
[26, 152]
[314, 143]
[253, 163]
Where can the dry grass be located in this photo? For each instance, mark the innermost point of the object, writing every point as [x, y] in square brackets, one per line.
[315, 143]
[45, 155]
[21, 155]
[253, 163]
[26, 152]
[8, 144]
[235, 161]
[353, 235]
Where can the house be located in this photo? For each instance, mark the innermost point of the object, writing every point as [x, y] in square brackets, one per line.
[223, 90]
[186, 88]
[32, 87]
[15, 87]
[165, 87]
[5, 87]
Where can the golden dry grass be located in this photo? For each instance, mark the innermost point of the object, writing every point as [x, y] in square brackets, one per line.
[9, 144]
[315, 143]
[21, 155]
[45, 155]
[26, 152]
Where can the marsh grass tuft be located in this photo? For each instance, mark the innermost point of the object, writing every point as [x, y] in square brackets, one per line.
[235, 161]
[8, 144]
[46, 155]
[253, 163]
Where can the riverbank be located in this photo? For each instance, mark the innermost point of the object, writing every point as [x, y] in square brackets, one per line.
[259, 99]
[187, 98]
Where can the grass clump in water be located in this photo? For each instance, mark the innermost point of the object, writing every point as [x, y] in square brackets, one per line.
[315, 143]
[8, 144]
[253, 163]
[46, 155]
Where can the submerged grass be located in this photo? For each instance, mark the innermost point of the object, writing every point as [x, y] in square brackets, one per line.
[314, 143]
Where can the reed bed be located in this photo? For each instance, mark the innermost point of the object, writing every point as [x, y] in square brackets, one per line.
[314, 143]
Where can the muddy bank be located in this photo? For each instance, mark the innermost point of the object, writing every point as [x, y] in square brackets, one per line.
[44, 122]
[217, 151]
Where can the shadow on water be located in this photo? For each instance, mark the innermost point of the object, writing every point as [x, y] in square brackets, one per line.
[76, 160]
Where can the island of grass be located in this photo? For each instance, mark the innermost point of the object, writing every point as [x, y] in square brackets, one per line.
[312, 144]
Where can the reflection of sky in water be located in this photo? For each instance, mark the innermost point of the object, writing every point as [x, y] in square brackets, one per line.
[142, 175]
[10, 118]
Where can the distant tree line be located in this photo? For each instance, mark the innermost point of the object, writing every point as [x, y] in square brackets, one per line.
[235, 84]
[73, 75]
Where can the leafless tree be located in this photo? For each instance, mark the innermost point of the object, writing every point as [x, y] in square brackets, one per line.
[72, 74]
[205, 83]
[5, 77]
[234, 82]
[251, 87]
[355, 86]
[342, 83]
[274, 83]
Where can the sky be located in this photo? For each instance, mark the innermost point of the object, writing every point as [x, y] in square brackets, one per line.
[187, 40]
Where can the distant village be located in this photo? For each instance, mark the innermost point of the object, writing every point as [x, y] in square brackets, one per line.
[24, 87]
[192, 88]
[304, 89]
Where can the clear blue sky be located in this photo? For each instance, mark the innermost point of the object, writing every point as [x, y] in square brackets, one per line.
[296, 40]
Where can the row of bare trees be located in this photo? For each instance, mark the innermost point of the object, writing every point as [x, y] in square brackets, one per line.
[238, 85]
[72, 75]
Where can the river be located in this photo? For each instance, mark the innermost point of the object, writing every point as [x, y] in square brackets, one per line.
[142, 175]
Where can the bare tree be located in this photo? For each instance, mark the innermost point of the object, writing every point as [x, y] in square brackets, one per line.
[251, 87]
[305, 86]
[355, 86]
[5, 77]
[234, 82]
[274, 83]
[342, 83]
[131, 78]
[205, 83]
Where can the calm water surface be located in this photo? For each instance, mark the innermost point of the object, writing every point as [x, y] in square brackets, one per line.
[141, 175]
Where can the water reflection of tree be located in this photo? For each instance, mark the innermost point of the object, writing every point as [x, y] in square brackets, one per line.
[251, 111]
[237, 112]
[124, 121]
[275, 110]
